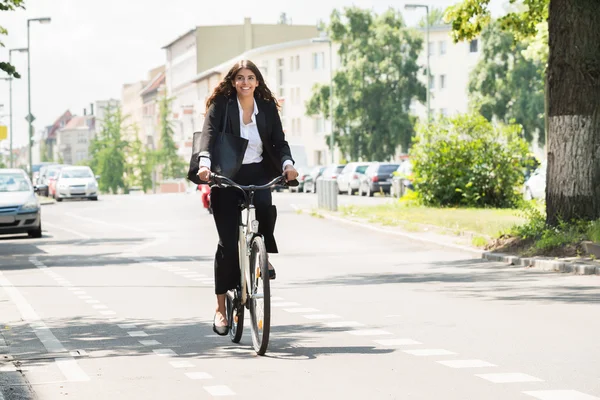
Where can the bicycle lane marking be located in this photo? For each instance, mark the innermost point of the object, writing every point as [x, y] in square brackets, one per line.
[67, 365]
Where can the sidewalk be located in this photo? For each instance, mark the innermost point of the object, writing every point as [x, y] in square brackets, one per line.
[429, 234]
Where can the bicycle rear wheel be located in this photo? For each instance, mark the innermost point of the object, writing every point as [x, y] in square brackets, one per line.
[235, 316]
[260, 296]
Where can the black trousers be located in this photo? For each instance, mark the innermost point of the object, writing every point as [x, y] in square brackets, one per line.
[225, 205]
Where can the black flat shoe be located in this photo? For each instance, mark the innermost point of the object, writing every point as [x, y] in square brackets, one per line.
[272, 274]
[220, 330]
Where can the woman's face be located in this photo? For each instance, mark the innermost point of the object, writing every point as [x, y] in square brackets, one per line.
[245, 82]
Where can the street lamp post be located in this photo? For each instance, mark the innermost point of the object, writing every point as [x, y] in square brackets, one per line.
[21, 50]
[328, 40]
[412, 7]
[29, 115]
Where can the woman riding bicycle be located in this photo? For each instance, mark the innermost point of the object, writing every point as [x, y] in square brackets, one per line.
[252, 114]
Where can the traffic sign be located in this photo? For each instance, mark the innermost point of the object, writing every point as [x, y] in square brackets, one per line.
[3, 132]
[30, 118]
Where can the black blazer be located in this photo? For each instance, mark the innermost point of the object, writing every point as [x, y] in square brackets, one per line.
[275, 148]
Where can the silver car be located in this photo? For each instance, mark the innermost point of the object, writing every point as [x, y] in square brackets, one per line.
[19, 207]
[76, 182]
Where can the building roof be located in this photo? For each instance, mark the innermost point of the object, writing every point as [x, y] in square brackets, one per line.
[247, 54]
[154, 84]
[78, 123]
[179, 38]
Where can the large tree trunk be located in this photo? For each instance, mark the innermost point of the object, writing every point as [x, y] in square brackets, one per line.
[573, 178]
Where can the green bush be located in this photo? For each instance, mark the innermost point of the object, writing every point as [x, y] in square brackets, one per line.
[594, 231]
[467, 161]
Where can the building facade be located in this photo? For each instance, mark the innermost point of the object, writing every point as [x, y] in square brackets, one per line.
[73, 141]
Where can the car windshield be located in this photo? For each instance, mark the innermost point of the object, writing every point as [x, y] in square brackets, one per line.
[361, 169]
[387, 169]
[76, 173]
[14, 182]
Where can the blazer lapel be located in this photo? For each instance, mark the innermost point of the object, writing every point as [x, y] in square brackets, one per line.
[234, 117]
[261, 122]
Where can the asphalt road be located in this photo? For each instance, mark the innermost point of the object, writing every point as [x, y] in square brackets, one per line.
[116, 302]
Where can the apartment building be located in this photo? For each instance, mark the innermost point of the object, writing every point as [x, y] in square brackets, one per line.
[290, 70]
[73, 140]
[450, 64]
[203, 47]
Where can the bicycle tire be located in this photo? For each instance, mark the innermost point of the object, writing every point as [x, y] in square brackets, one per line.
[260, 306]
[233, 309]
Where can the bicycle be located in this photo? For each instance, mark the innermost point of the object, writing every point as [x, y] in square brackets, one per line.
[254, 291]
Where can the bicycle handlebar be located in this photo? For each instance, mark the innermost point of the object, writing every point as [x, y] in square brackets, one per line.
[219, 179]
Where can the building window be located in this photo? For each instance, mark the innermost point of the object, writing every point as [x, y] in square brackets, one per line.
[297, 63]
[297, 96]
[319, 60]
[299, 126]
[81, 137]
[431, 82]
[474, 46]
[442, 81]
[430, 48]
[319, 125]
[442, 47]
[319, 157]
[280, 65]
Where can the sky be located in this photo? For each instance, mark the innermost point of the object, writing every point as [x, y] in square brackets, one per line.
[92, 48]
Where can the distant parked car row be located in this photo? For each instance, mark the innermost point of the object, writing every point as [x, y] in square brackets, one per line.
[363, 178]
[63, 181]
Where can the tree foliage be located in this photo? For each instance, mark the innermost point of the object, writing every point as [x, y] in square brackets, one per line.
[467, 161]
[9, 5]
[375, 84]
[108, 151]
[140, 163]
[506, 85]
[172, 165]
[469, 17]
[436, 18]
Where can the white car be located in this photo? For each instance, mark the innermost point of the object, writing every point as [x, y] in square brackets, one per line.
[76, 182]
[19, 207]
[535, 186]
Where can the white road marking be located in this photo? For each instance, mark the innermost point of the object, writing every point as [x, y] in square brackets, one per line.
[275, 298]
[220, 390]
[285, 304]
[509, 377]
[396, 342]
[322, 316]
[181, 364]
[127, 326]
[137, 334]
[369, 332]
[466, 363]
[343, 324]
[560, 395]
[429, 352]
[300, 310]
[108, 312]
[71, 369]
[198, 375]
[99, 306]
[92, 301]
[149, 342]
[81, 235]
[79, 292]
[85, 297]
[8, 368]
[164, 352]
[74, 289]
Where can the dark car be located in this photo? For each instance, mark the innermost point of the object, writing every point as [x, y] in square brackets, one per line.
[377, 178]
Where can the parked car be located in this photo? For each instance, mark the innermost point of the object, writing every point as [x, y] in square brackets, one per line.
[349, 179]
[19, 206]
[51, 175]
[330, 172]
[535, 186]
[36, 168]
[377, 178]
[76, 182]
[310, 181]
[303, 173]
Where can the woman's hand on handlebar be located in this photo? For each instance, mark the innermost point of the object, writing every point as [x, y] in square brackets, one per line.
[204, 174]
[290, 173]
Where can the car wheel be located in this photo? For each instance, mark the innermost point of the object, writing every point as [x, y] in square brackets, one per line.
[94, 198]
[36, 233]
[349, 190]
[58, 199]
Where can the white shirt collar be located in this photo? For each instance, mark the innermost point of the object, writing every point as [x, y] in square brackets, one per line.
[240, 106]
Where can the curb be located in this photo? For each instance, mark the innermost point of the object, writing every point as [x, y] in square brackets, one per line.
[544, 264]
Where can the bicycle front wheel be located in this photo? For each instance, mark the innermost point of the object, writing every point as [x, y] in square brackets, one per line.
[235, 316]
[260, 296]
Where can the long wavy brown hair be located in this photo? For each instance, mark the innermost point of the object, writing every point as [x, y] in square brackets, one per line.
[226, 87]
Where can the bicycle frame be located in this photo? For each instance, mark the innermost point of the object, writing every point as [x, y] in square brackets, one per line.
[248, 227]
